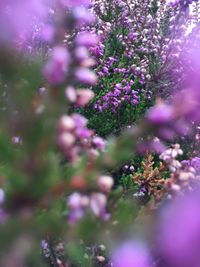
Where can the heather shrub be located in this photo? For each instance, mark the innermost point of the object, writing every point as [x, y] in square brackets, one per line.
[99, 136]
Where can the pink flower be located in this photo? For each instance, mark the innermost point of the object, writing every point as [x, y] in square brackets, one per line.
[98, 142]
[70, 94]
[131, 254]
[83, 16]
[98, 203]
[57, 67]
[79, 120]
[161, 113]
[84, 96]
[105, 183]
[178, 232]
[2, 196]
[86, 76]
[66, 123]
[86, 39]
[66, 140]
[17, 18]
[75, 3]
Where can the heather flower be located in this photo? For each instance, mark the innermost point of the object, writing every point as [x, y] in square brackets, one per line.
[105, 183]
[75, 3]
[183, 3]
[169, 156]
[194, 163]
[77, 204]
[56, 69]
[79, 120]
[131, 254]
[76, 200]
[16, 140]
[83, 16]
[98, 203]
[160, 114]
[2, 196]
[85, 76]
[65, 140]
[66, 123]
[178, 232]
[17, 18]
[70, 94]
[98, 142]
[113, 100]
[84, 96]
[86, 39]
[74, 138]
[44, 245]
[47, 33]
[187, 103]
[83, 133]
[81, 53]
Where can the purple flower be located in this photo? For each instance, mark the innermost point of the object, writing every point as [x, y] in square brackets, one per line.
[57, 67]
[81, 53]
[86, 39]
[44, 245]
[17, 18]
[178, 232]
[77, 204]
[83, 16]
[83, 133]
[98, 142]
[194, 162]
[2, 196]
[75, 3]
[86, 76]
[79, 120]
[131, 254]
[159, 114]
[98, 203]
[105, 183]
[84, 96]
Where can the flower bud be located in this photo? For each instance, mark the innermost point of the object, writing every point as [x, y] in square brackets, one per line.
[66, 123]
[66, 140]
[105, 183]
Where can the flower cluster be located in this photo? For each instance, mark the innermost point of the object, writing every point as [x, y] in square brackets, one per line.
[183, 176]
[169, 156]
[139, 37]
[194, 163]
[101, 62]
[182, 3]
[19, 18]
[122, 93]
[78, 203]
[3, 215]
[180, 221]
[74, 138]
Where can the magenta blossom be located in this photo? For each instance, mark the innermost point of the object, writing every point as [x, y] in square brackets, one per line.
[131, 254]
[161, 113]
[57, 67]
[75, 3]
[178, 232]
[18, 17]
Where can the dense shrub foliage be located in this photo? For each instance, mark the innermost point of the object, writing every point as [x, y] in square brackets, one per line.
[100, 135]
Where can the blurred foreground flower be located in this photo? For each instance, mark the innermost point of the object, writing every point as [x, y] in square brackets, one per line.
[178, 233]
[56, 68]
[131, 254]
[17, 18]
